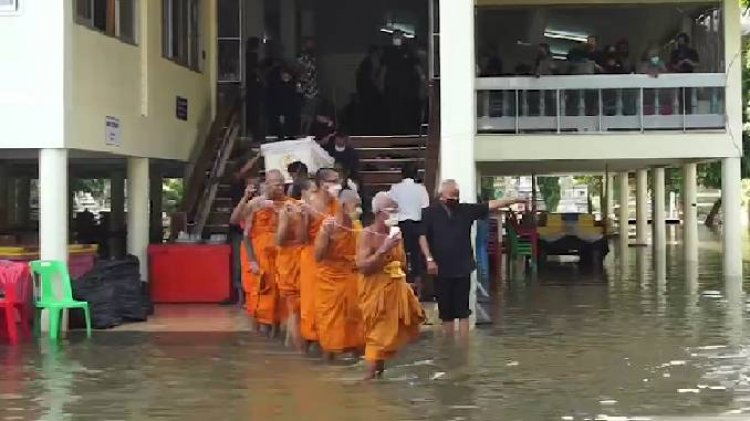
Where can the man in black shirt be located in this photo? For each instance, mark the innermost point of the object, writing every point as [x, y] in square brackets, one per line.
[684, 58]
[446, 245]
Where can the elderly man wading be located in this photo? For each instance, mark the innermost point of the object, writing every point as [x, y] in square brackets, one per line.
[446, 245]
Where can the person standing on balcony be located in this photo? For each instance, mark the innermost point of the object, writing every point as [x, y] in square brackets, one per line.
[308, 81]
[283, 104]
[370, 92]
[412, 198]
[684, 59]
[401, 86]
[446, 246]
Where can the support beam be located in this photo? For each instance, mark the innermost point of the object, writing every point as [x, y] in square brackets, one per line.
[624, 211]
[641, 206]
[690, 212]
[458, 129]
[609, 203]
[53, 204]
[116, 213]
[138, 184]
[658, 214]
[731, 203]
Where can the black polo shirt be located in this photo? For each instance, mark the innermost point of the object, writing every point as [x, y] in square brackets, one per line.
[449, 236]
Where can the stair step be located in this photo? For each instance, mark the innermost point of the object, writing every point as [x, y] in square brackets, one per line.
[388, 142]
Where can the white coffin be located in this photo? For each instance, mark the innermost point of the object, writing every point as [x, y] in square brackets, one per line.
[278, 155]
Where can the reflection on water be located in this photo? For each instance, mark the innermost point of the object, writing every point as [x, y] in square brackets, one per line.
[655, 339]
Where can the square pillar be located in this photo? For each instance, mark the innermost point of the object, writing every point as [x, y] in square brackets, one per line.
[624, 211]
[658, 214]
[53, 204]
[138, 218]
[731, 203]
[641, 206]
[458, 129]
[690, 212]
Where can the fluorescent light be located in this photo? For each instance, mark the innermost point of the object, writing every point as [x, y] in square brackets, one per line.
[570, 36]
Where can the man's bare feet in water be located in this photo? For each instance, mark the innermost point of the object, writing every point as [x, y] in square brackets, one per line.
[375, 370]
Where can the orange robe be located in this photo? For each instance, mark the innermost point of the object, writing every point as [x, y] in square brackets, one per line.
[265, 304]
[391, 312]
[248, 278]
[288, 265]
[308, 275]
[338, 317]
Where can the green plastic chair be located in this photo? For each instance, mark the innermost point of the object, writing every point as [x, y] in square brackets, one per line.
[520, 247]
[45, 273]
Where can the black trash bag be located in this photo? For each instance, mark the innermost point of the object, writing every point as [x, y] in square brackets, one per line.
[102, 305]
[127, 300]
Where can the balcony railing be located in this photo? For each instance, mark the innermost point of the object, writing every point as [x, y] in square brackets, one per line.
[601, 103]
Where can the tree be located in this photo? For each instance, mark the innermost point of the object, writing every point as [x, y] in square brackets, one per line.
[549, 187]
[95, 187]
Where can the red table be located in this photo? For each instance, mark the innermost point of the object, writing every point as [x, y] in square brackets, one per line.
[189, 273]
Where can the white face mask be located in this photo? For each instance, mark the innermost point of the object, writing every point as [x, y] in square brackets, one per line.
[392, 220]
[340, 148]
[334, 190]
[397, 42]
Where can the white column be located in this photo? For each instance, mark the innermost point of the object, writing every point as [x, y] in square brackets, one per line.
[690, 212]
[609, 212]
[641, 206]
[731, 203]
[458, 129]
[624, 211]
[289, 28]
[53, 204]
[116, 211]
[659, 214]
[138, 184]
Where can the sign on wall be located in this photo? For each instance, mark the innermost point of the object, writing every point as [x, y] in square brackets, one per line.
[181, 108]
[112, 129]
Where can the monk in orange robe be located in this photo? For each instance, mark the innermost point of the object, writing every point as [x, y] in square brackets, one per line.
[391, 312]
[321, 203]
[241, 216]
[290, 240]
[265, 305]
[337, 316]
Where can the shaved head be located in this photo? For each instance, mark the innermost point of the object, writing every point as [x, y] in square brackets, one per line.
[274, 184]
[381, 202]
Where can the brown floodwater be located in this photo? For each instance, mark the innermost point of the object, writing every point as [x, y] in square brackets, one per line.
[631, 343]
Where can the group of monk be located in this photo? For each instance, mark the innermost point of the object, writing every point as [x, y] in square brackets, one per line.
[311, 269]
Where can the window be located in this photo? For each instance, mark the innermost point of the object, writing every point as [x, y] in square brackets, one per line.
[8, 6]
[116, 18]
[181, 32]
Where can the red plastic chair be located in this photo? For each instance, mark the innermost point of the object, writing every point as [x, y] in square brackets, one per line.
[15, 282]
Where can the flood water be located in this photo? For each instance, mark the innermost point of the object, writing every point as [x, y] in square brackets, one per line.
[567, 346]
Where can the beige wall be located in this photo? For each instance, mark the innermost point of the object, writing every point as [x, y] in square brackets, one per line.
[138, 86]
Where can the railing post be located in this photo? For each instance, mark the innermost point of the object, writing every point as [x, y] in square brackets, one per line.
[581, 102]
[641, 102]
[485, 112]
[601, 110]
[618, 104]
[517, 111]
[525, 102]
[559, 107]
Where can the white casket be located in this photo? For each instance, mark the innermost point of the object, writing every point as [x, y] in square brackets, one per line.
[278, 155]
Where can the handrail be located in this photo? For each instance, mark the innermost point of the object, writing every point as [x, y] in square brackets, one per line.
[630, 81]
[225, 119]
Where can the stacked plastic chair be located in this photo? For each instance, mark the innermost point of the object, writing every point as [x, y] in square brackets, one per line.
[15, 285]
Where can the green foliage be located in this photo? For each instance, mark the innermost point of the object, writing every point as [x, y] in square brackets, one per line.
[172, 193]
[549, 187]
[96, 187]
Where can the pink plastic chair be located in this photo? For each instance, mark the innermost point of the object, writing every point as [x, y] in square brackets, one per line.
[15, 282]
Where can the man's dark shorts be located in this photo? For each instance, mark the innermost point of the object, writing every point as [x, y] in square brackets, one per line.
[453, 297]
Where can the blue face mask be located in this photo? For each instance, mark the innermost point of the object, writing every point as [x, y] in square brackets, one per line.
[655, 60]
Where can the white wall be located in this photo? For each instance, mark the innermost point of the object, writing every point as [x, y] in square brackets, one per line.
[32, 85]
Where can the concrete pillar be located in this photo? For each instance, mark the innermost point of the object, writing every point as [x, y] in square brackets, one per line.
[731, 203]
[116, 212]
[609, 203]
[53, 204]
[641, 206]
[289, 28]
[658, 215]
[155, 191]
[458, 72]
[690, 212]
[138, 184]
[624, 211]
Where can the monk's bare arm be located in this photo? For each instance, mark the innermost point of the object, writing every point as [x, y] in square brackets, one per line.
[282, 231]
[369, 259]
[322, 241]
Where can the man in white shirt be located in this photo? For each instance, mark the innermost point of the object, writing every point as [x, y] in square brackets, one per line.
[411, 198]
